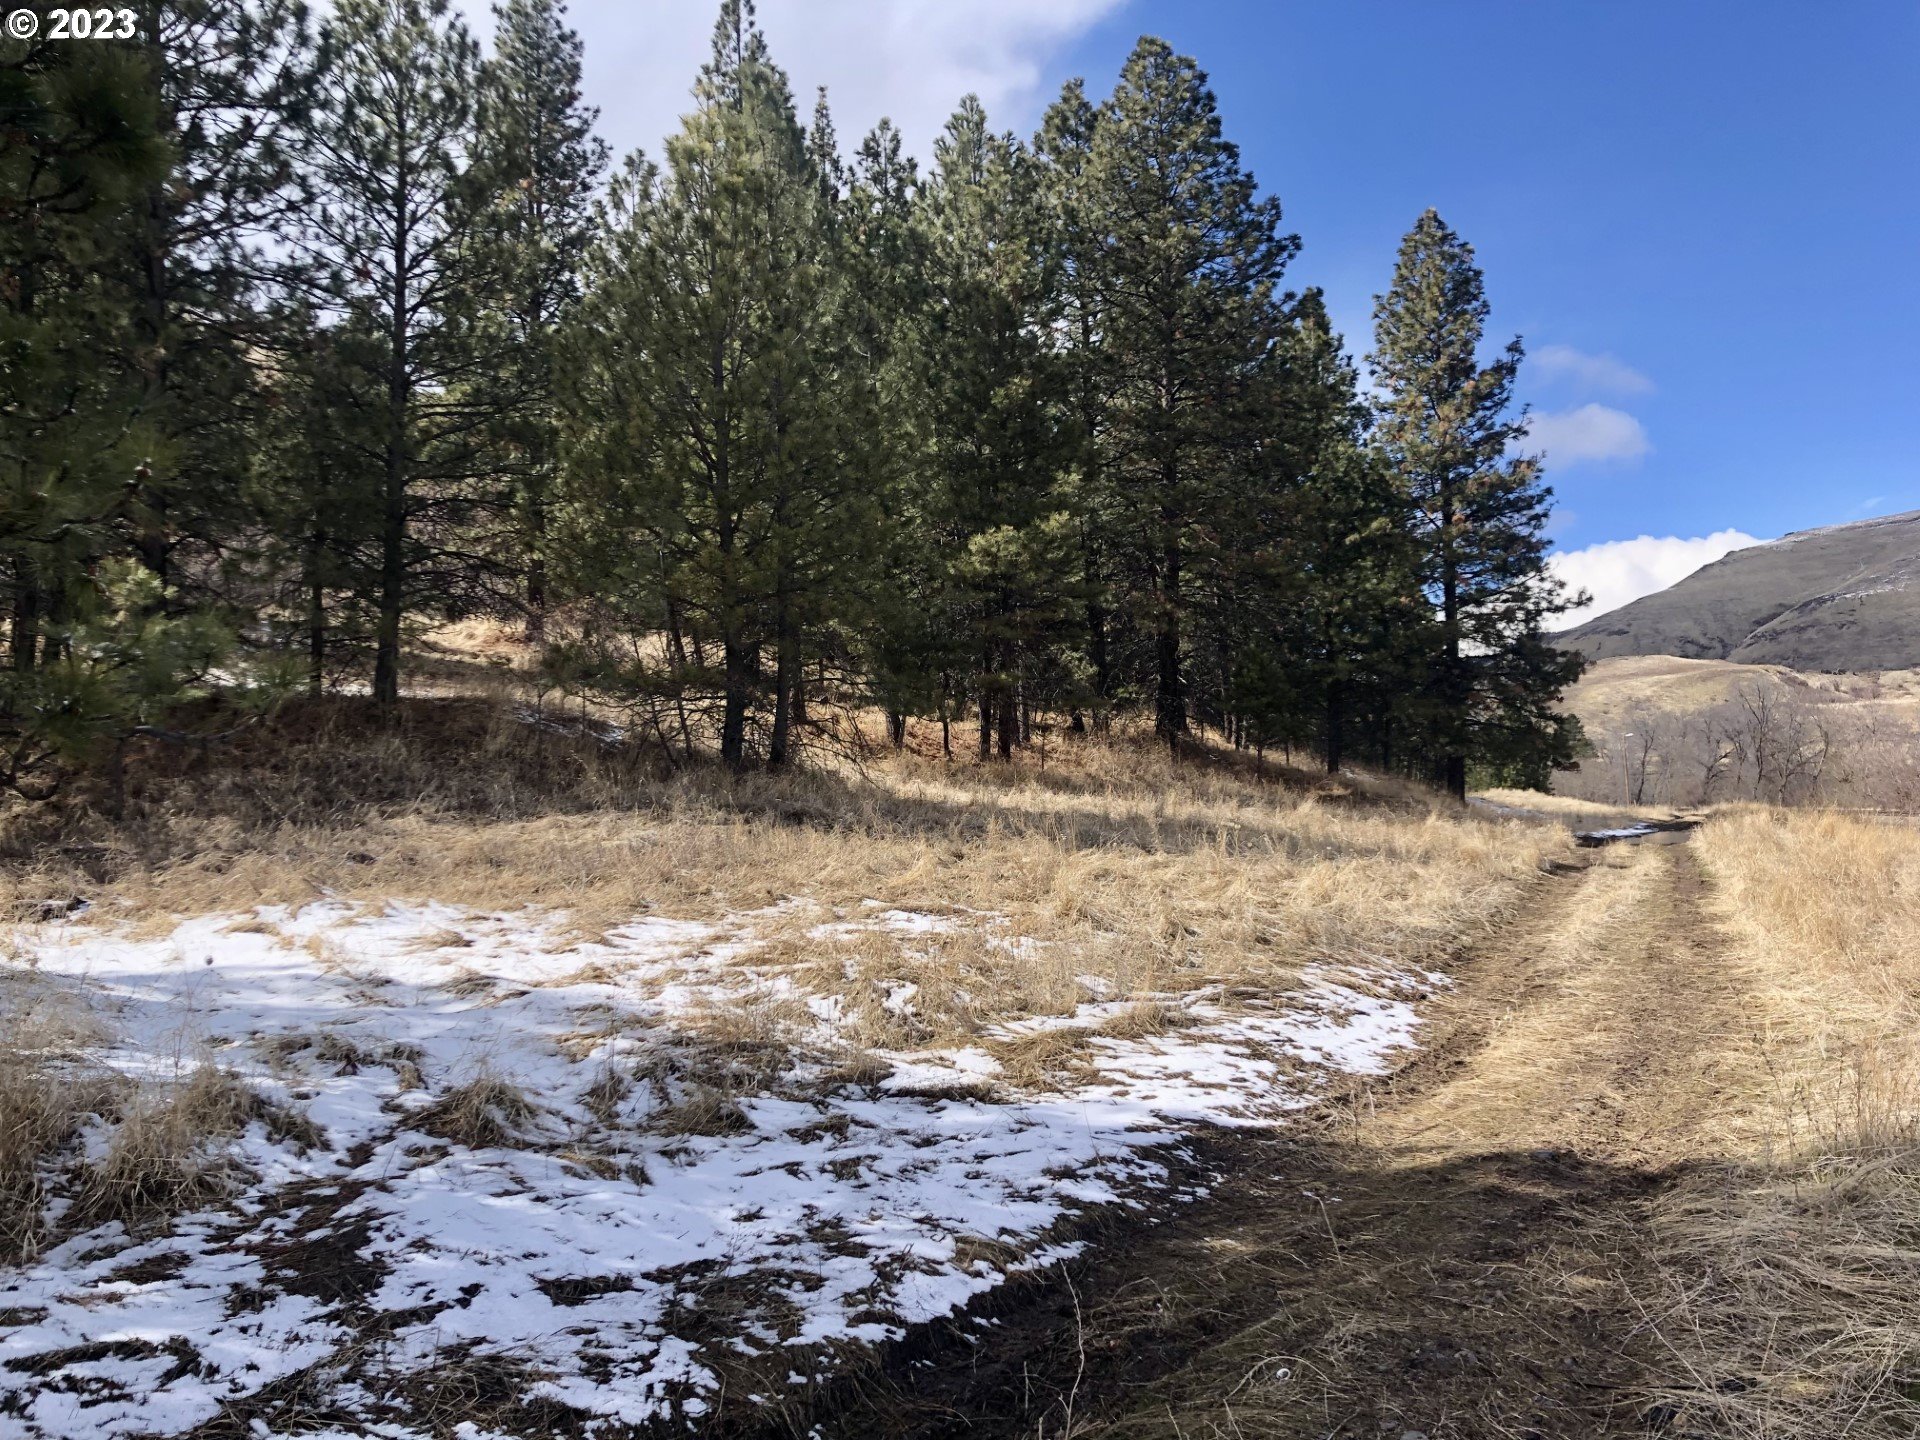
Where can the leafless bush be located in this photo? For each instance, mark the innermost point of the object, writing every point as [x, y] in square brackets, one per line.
[1772, 741]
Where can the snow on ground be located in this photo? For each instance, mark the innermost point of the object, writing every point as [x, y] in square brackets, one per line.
[1638, 831]
[590, 1239]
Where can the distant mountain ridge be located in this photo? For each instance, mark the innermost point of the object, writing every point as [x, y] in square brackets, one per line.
[1842, 597]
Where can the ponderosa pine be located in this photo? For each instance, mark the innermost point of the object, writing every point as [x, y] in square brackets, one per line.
[1185, 264]
[1448, 427]
[539, 165]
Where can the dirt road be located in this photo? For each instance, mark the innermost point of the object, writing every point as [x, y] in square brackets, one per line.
[1441, 1255]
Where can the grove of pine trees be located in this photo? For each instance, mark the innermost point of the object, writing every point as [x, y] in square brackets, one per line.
[313, 336]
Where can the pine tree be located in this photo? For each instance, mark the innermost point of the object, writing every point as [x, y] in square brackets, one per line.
[1335, 562]
[1065, 146]
[91, 662]
[232, 85]
[1447, 427]
[320, 519]
[395, 226]
[1185, 268]
[709, 483]
[540, 165]
[1000, 442]
[884, 260]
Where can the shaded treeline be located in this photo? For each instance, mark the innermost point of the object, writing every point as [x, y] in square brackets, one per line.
[312, 334]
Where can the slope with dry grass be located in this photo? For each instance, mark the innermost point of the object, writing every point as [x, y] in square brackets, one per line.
[884, 1028]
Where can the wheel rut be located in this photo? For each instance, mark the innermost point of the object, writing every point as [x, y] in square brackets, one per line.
[1434, 1255]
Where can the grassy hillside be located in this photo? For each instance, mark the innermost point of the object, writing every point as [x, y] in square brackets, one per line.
[1672, 731]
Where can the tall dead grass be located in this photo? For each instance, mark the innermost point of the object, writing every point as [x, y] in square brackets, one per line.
[1111, 872]
[81, 1143]
[1111, 862]
[1792, 1296]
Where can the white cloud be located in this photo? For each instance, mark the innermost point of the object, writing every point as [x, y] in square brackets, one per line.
[908, 60]
[1616, 571]
[1588, 372]
[1592, 432]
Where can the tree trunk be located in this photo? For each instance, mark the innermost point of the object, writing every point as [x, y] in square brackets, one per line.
[986, 725]
[25, 636]
[733, 722]
[1170, 700]
[393, 518]
[677, 649]
[536, 573]
[1336, 727]
[897, 729]
[786, 685]
[393, 585]
[1457, 693]
[316, 619]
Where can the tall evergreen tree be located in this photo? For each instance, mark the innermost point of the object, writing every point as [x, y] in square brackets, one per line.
[708, 483]
[233, 81]
[395, 226]
[1185, 265]
[1333, 576]
[90, 662]
[1000, 442]
[83, 143]
[884, 249]
[1447, 426]
[1065, 145]
[540, 164]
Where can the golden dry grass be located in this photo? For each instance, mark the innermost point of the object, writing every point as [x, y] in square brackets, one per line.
[1110, 873]
[1574, 813]
[48, 1094]
[158, 1152]
[1792, 1294]
[1614, 688]
[1108, 864]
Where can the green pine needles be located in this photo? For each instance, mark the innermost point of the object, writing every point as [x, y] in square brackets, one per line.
[313, 336]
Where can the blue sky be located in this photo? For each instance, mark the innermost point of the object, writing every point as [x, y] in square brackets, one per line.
[1703, 216]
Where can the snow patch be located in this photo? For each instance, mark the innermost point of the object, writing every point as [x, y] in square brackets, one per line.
[574, 1239]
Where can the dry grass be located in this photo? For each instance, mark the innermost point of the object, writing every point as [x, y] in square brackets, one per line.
[1110, 863]
[481, 1113]
[1573, 813]
[1617, 687]
[164, 1157]
[1110, 874]
[48, 1095]
[153, 1147]
[1793, 1276]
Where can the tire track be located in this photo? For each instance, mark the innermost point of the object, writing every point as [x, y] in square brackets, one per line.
[1430, 1257]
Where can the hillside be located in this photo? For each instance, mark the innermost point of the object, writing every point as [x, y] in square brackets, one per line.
[1834, 599]
[1614, 689]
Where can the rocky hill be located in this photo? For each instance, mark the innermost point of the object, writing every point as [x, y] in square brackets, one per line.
[1843, 597]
